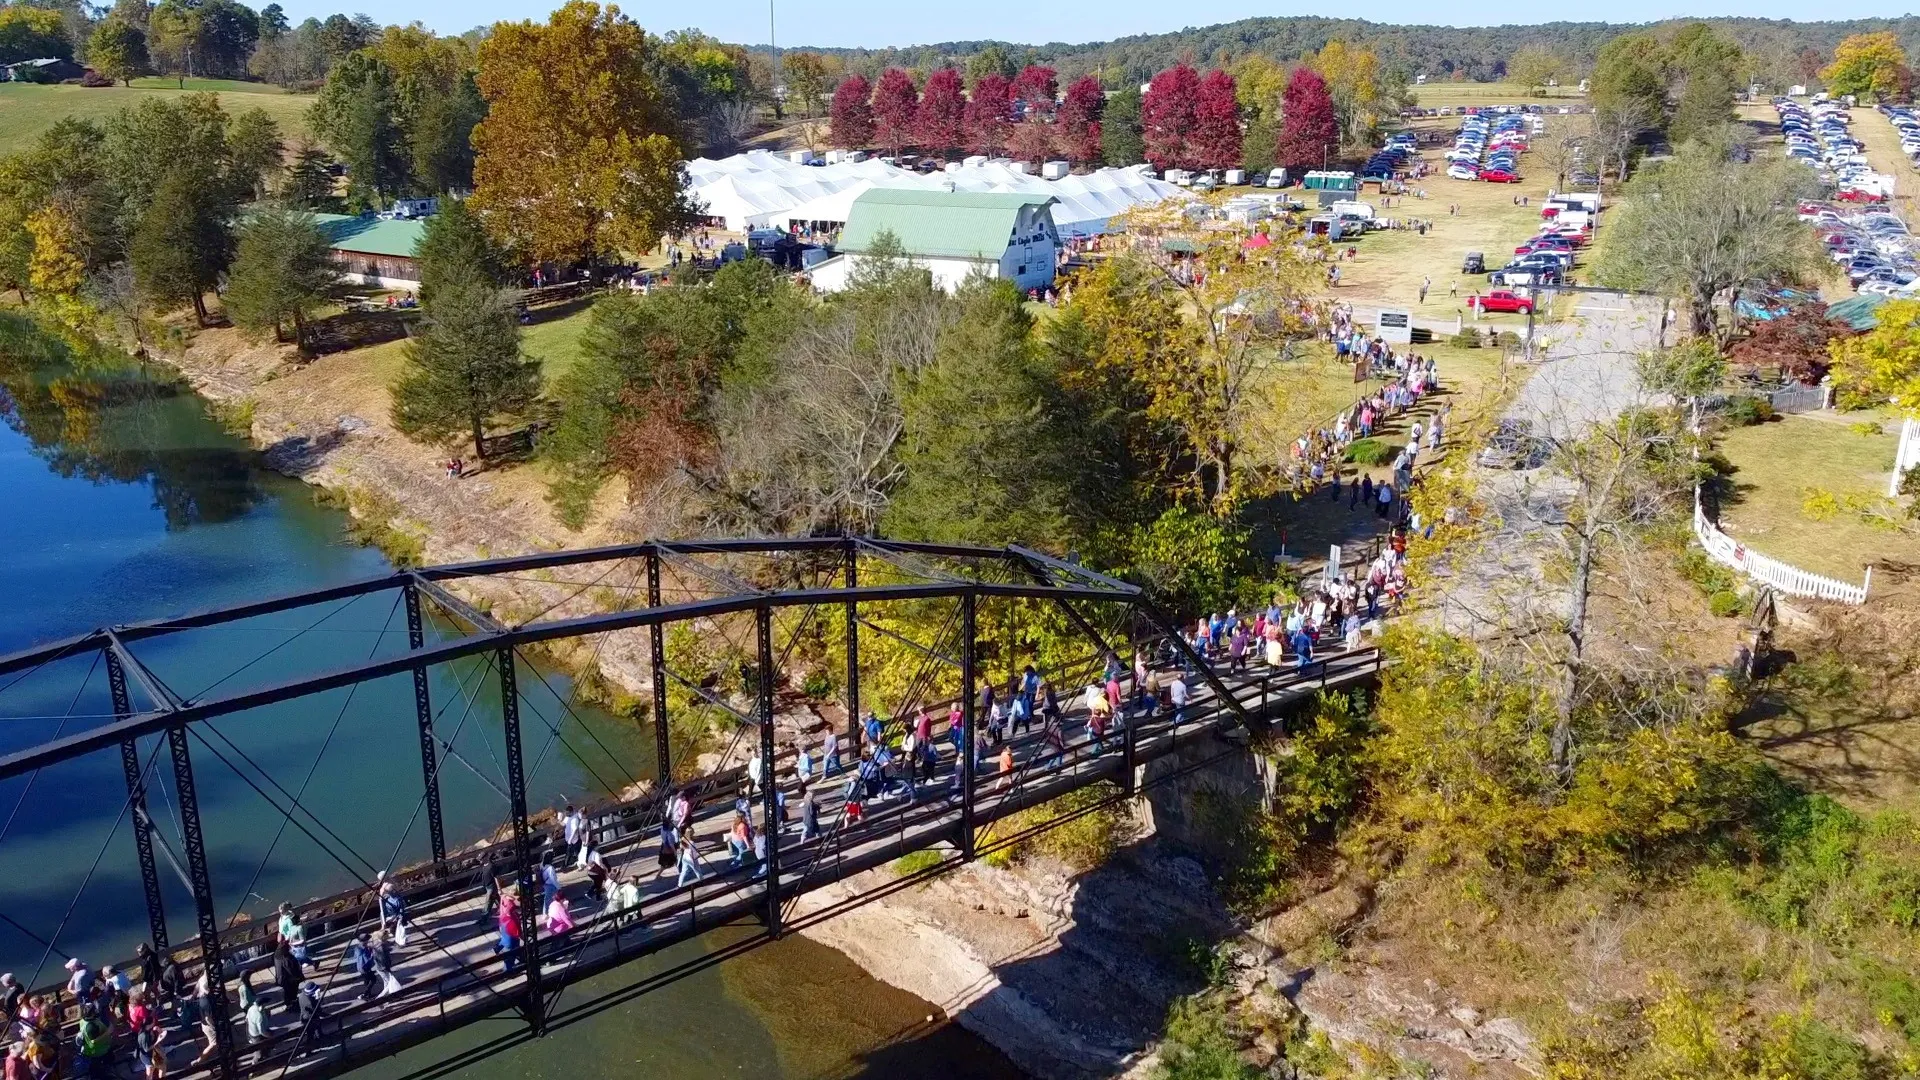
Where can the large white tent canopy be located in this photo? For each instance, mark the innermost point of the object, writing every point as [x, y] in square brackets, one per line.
[758, 189]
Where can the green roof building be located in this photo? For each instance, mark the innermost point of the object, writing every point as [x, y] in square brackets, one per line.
[953, 234]
[375, 251]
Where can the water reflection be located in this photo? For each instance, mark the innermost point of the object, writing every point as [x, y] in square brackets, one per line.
[100, 416]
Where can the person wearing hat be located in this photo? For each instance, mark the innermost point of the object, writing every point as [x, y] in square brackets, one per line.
[79, 978]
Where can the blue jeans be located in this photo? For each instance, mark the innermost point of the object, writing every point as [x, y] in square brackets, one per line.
[833, 764]
[510, 946]
[689, 871]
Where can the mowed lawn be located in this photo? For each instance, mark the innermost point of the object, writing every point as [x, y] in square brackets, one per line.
[27, 110]
[1778, 463]
[1436, 95]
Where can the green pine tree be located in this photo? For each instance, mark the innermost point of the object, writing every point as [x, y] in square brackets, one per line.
[282, 271]
[465, 368]
[454, 246]
[182, 242]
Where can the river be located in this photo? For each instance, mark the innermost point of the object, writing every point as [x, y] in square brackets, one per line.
[123, 499]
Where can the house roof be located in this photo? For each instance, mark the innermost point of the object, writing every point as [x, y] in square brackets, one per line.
[949, 224]
[396, 238]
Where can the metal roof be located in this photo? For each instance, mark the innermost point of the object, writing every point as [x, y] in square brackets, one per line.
[949, 224]
[394, 237]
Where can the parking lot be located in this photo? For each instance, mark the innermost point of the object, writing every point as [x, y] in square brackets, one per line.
[1866, 239]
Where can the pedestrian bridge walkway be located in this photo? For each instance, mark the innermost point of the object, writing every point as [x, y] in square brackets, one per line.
[450, 971]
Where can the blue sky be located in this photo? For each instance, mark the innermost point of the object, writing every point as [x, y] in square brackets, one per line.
[910, 22]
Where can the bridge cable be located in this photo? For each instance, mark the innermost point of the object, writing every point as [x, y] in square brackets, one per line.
[35, 774]
[315, 767]
[296, 637]
[592, 665]
[74, 904]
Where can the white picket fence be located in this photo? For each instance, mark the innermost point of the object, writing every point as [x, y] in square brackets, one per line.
[1790, 580]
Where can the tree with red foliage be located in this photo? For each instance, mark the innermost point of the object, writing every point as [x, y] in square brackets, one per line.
[851, 117]
[1035, 88]
[1795, 342]
[896, 105]
[1216, 122]
[1077, 124]
[1167, 116]
[1309, 131]
[989, 114]
[1030, 140]
[941, 125]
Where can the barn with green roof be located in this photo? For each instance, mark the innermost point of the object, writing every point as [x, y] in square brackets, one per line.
[952, 234]
[375, 251]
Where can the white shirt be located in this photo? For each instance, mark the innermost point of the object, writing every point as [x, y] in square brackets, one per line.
[574, 824]
[1177, 690]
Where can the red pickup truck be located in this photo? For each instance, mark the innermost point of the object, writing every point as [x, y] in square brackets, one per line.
[1501, 300]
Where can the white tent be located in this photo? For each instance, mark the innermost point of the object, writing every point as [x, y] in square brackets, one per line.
[758, 189]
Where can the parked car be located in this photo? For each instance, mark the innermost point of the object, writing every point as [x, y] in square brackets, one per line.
[1502, 300]
[1499, 176]
[1474, 263]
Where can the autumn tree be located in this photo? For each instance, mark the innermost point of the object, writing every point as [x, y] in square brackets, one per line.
[1884, 363]
[1355, 83]
[852, 116]
[1079, 119]
[1259, 82]
[896, 104]
[1120, 139]
[989, 117]
[1031, 140]
[575, 160]
[465, 370]
[283, 271]
[1036, 89]
[1216, 122]
[808, 74]
[941, 124]
[30, 32]
[1309, 131]
[1868, 65]
[117, 49]
[58, 265]
[1167, 116]
[1797, 344]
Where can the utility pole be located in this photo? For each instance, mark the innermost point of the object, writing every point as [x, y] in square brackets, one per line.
[774, 44]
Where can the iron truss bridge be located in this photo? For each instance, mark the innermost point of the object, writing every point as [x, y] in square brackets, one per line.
[450, 973]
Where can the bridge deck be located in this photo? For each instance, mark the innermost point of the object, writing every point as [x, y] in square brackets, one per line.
[450, 973]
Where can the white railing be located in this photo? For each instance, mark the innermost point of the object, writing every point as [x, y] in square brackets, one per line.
[1790, 580]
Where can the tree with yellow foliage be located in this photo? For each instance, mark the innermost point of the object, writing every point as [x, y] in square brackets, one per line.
[575, 158]
[1870, 65]
[1886, 362]
[1361, 94]
[58, 266]
[1234, 310]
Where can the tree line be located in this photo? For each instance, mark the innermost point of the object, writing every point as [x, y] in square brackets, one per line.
[1256, 112]
[1788, 52]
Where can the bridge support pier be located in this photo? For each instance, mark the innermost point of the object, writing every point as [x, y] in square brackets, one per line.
[201, 879]
[770, 816]
[657, 646]
[423, 715]
[534, 1003]
[137, 806]
[970, 719]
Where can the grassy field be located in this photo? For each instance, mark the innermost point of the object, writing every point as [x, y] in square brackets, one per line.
[1391, 264]
[1436, 95]
[1778, 463]
[27, 110]
[1882, 145]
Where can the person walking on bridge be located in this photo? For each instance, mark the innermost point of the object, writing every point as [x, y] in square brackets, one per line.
[509, 924]
[830, 754]
[286, 975]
